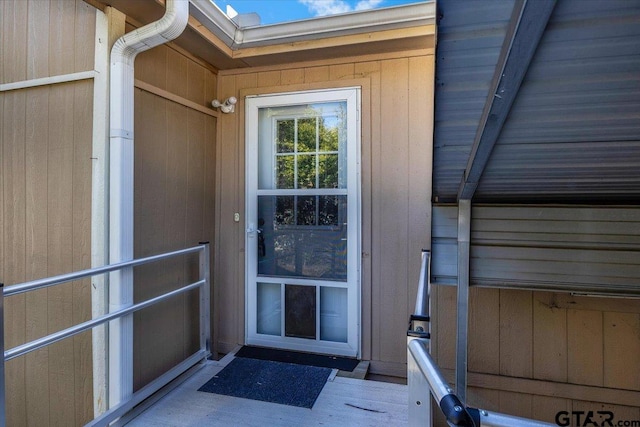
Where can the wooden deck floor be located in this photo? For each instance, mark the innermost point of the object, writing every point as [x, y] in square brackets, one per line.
[342, 402]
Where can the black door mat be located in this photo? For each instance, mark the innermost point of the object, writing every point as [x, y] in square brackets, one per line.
[298, 357]
[268, 381]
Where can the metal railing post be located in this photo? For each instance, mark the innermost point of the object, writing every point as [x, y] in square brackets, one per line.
[419, 394]
[419, 328]
[3, 394]
[205, 299]
[425, 379]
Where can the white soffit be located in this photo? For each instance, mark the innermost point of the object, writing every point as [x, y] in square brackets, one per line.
[215, 20]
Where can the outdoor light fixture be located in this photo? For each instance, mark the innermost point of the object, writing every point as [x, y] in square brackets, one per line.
[228, 106]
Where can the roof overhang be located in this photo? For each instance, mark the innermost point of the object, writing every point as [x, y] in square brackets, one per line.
[213, 36]
[368, 21]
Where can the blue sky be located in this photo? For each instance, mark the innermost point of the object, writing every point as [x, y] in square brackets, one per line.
[272, 11]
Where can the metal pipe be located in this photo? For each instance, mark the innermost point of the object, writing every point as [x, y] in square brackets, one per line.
[424, 293]
[420, 328]
[63, 278]
[121, 153]
[441, 390]
[81, 327]
[462, 313]
[438, 385]
[205, 299]
[3, 395]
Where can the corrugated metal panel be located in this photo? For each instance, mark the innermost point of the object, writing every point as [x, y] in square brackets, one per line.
[573, 134]
[580, 249]
[444, 245]
[574, 130]
[470, 35]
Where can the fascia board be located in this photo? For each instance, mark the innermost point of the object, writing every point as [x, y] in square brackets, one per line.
[212, 18]
[340, 25]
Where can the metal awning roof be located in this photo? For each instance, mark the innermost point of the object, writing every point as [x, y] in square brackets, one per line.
[570, 132]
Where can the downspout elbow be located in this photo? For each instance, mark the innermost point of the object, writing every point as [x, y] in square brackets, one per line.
[167, 28]
[123, 55]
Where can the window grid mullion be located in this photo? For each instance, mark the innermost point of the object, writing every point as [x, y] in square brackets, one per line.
[295, 170]
[317, 171]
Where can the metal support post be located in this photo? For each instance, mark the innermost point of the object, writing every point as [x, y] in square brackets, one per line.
[419, 394]
[420, 328]
[464, 238]
[3, 396]
[205, 299]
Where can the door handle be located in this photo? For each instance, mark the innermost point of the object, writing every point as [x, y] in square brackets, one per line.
[252, 229]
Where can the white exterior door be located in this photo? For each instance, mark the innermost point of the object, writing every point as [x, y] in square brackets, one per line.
[303, 221]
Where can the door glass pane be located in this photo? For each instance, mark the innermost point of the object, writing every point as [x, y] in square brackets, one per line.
[306, 210]
[329, 133]
[300, 311]
[285, 210]
[269, 310]
[303, 146]
[307, 171]
[333, 314]
[328, 171]
[314, 246]
[285, 137]
[328, 213]
[307, 135]
[285, 171]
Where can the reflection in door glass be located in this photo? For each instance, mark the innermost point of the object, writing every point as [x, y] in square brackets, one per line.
[306, 210]
[303, 146]
[307, 171]
[329, 133]
[285, 210]
[307, 135]
[304, 236]
[328, 213]
[286, 174]
[285, 137]
[328, 171]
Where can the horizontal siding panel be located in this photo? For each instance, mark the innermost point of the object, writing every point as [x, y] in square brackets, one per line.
[594, 241]
[568, 228]
[444, 245]
[541, 247]
[547, 213]
[444, 262]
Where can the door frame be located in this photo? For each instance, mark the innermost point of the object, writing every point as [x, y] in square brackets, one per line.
[352, 95]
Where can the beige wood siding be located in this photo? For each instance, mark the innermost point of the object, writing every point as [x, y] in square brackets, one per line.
[174, 201]
[45, 206]
[45, 38]
[397, 124]
[533, 354]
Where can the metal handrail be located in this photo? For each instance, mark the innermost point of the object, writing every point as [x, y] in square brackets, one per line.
[63, 278]
[23, 349]
[114, 413]
[424, 377]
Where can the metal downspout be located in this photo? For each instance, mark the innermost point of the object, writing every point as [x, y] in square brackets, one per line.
[123, 55]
